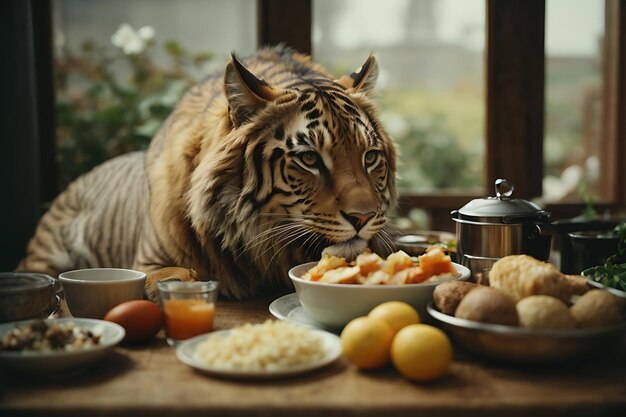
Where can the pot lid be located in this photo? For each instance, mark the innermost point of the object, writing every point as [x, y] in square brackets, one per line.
[503, 206]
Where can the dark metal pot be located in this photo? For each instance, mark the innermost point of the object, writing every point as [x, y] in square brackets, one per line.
[25, 295]
[490, 228]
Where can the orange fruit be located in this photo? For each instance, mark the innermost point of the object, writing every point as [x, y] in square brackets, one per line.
[421, 352]
[396, 314]
[366, 342]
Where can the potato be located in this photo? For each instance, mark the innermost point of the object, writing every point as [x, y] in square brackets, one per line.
[544, 312]
[597, 308]
[449, 294]
[488, 305]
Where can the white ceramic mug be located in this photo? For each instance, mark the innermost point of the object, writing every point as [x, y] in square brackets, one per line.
[93, 292]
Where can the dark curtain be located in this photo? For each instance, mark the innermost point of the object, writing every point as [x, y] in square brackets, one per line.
[27, 167]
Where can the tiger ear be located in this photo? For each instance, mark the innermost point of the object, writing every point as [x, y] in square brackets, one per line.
[246, 94]
[363, 78]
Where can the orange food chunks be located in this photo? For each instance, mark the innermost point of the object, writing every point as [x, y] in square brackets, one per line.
[436, 262]
[397, 262]
[326, 264]
[370, 269]
[368, 262]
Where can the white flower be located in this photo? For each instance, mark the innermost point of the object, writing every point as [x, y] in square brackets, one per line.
[146, 33]
[121, 36]
[133, 46]
[132, 41]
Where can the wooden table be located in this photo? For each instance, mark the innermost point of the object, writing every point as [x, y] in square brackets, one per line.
[150, 381]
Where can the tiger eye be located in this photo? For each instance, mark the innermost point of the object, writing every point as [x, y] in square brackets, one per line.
[370, 157]
[309, 158]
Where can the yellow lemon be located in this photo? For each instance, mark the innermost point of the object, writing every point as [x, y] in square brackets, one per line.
[366, 342]
[396, 314]
[421, 352]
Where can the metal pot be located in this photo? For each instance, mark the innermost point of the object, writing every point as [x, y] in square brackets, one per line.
[25, 295]
[490, 228]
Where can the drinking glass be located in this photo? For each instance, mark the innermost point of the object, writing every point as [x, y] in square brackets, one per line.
[188, 308]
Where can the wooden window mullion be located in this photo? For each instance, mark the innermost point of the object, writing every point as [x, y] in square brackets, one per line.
[285, 21]
[515, 93]
[614, 126]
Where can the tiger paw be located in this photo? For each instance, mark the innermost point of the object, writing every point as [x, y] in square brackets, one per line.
[167, 274]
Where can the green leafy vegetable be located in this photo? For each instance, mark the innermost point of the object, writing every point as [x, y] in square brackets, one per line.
[613, 272]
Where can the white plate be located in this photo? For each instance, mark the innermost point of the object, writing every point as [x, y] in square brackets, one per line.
[288, 308]
[185, 353]
[62, 363]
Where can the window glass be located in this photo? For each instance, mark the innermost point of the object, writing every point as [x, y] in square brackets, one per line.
[573, 89]
[121, 66]
[431, 58]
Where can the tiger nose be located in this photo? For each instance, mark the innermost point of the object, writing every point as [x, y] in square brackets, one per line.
[358, 220]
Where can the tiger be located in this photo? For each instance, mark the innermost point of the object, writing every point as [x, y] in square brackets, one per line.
[262, 166]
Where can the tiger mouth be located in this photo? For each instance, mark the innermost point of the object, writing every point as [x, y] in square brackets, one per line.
[349, 249]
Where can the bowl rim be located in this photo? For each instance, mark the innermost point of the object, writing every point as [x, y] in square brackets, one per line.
[463, 270]
[594, 235]
[518, 331]
[587, 273]
[194, 287]
[37, 282]
[117, 335]
[140, 276]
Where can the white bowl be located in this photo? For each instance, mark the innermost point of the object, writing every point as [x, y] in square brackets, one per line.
[334, 305]
[62, 363]
[93, 292]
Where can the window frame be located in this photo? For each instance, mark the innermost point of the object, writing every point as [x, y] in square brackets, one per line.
[515, 67]
[615, 101]
[515, 82]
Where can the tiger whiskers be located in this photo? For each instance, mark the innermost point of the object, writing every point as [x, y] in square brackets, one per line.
[312, 234]
[386, 240]
[284, 232]
[291, 237]
[280, 231]
[266, 236]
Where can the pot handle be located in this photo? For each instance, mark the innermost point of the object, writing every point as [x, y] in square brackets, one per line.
[545, 229]
[532, 231]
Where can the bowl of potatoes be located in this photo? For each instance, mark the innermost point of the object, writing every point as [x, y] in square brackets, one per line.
[529, 312]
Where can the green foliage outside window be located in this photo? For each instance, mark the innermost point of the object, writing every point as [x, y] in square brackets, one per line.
[110, 102]
[439, 137]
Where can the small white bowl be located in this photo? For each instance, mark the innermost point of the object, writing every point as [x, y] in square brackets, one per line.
[334, 305]
[93, 292]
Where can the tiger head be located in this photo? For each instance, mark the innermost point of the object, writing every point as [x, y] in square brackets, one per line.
[305, 165]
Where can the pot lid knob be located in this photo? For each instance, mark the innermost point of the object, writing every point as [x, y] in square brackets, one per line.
[504, 189]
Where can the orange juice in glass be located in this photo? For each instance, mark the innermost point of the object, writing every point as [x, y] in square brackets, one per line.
[188, 308]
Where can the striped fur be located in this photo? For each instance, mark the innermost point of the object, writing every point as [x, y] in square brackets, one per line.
[250, 175]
